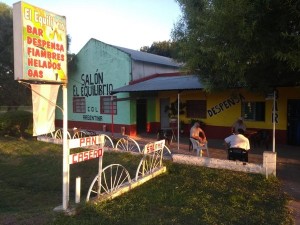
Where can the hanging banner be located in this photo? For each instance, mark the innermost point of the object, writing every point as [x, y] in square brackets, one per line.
[40, 46]
[43, 105]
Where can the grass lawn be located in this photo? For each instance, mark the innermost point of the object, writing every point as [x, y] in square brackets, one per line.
[31, 186]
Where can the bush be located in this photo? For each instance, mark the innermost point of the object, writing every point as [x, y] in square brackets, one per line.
[15, 123]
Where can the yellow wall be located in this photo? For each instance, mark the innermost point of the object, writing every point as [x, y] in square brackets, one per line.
[227, 116]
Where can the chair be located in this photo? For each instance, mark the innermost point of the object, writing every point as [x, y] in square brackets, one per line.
[199, 148]
[238, 154]
[165, 135]
[262, 138]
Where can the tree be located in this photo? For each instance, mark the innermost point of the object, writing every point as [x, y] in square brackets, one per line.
[163, 48]
[11, 93]
[250, 43]
[6, 34]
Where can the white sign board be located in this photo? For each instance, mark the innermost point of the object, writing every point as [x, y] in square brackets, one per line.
[153, 147]
[86, 141]
[84, 156]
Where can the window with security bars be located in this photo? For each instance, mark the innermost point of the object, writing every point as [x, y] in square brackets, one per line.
[79, 105]
[254, 111]
[196, 109]
[107, 106]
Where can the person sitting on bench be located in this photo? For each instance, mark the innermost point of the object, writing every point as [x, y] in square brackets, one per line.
[238, 146]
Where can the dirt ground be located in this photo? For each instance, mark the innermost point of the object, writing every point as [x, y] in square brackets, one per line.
[288, 171]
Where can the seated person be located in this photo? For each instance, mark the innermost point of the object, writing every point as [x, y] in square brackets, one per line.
[197, 133]
[237, 141]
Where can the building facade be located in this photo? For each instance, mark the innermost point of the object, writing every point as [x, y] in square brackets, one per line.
[121, 90]
[101, 68]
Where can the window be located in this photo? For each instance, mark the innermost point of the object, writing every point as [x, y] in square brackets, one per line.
[253, 111]
[79, 105]
[106, 105]
[196, 108]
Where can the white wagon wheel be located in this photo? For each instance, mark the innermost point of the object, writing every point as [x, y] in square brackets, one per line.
[108, 143]
[148, 164]
[48, 135]
[113, 177]
[128, 144]
[79, 134]
[59, 134]
[167, 152]
[90, 133]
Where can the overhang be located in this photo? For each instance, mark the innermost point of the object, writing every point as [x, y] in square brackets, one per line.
[173, 83]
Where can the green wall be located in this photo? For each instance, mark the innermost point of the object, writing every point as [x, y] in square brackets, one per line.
[100, 69]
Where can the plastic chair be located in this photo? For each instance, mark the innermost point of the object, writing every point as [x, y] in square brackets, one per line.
[199, 147]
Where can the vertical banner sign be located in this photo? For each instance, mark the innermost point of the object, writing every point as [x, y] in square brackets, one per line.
[40, 47]
[43, 109]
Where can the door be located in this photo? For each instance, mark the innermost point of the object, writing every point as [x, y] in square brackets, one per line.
[293, 126]
[164, 118]
[141, 115]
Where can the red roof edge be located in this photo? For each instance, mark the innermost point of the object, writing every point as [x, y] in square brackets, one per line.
[154, 76]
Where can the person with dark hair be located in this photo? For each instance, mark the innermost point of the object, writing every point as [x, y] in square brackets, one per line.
[238, 146]
[239, 124]
[197, 133]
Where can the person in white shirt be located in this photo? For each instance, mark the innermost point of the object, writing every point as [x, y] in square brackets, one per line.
[238, 146]
[238, 140]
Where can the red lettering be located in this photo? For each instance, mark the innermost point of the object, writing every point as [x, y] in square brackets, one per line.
[29, 29]
[96, 153]
[80, 157]
[35, 73]
[86, 156]
[94, 140]
[150, 148]
[34, 31]
[91, 154]
[82, 141]
[87, 140]
[74, 159]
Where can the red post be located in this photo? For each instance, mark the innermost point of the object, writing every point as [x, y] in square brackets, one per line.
[112, 116]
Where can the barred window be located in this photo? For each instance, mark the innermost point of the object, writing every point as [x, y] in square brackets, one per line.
[79, 105]
[253, 111]
[107, 105]
[196, 109]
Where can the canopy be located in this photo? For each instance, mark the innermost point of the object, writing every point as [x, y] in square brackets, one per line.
[163, 83]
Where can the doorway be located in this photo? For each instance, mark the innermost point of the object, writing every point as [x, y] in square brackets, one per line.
[141, 116]
[293, 122]
[164, 117]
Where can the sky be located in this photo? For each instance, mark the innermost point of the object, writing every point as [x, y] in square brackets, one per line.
[125, 23]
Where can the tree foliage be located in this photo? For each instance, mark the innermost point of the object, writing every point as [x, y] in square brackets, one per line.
[237, 43]
[163, 48]
[6, 34]
[11, 93]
